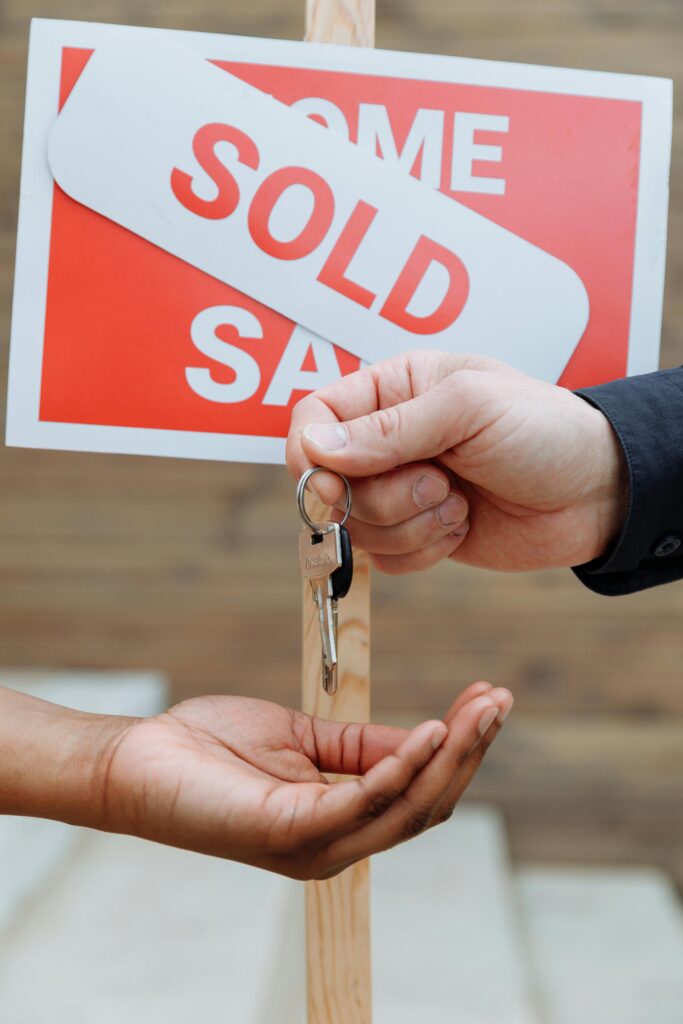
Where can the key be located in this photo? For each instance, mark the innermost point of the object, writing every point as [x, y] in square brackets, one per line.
[326, 561]
[320, 557]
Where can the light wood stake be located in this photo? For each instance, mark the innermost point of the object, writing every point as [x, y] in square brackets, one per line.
[338, 911]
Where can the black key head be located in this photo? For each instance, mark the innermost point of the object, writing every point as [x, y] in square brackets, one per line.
[341, 578]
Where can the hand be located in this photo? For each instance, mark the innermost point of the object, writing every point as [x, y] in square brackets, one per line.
[241, 778]
[465, 458]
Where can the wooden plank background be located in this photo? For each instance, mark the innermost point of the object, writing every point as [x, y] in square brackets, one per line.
[126, 562]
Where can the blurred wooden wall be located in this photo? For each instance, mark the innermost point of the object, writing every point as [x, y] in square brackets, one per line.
[191, 567]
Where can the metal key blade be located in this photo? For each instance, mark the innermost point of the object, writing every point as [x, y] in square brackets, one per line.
[328, 619]
[319, 557]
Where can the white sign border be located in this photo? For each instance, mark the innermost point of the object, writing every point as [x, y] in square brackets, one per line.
[48, 38]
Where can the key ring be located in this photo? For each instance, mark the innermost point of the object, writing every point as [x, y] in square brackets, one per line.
[301, 495]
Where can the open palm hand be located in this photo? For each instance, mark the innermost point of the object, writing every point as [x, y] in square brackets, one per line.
[243, 779]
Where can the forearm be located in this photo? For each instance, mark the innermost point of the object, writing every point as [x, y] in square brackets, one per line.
[53, 760]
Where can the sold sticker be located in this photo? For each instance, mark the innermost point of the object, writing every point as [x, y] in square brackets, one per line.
[208, 240]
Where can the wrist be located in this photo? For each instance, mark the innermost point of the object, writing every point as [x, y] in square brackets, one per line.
[611, 487]
[54, 760]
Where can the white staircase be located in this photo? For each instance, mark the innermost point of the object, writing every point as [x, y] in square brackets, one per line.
[96, 929]
[605, 945]
[446, 931]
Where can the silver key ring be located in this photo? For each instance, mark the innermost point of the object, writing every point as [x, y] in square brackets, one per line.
[301, 495]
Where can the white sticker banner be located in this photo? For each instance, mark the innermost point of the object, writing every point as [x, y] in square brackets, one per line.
[121, 343]
[259, 196]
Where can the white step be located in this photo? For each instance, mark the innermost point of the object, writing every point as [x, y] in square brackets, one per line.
[143, 933]
[99, 692]
[445, 944]
[606, 945]
[445, 938]
[30, 848]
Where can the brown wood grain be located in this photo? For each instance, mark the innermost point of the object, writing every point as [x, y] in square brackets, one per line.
[338, 948]
[338, 910]
[346, 22]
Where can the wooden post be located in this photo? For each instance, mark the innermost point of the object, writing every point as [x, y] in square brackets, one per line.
[350, 22]
[338, 911]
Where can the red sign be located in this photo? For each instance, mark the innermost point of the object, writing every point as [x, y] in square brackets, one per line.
[127, 338]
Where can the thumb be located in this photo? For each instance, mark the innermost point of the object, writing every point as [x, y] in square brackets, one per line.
[420, 428]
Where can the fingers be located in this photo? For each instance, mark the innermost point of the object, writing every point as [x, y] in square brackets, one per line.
[408, 514]
[358, 394]
[350, 748]
[311, 409]
[390, 498]
[405, 409]
[420, 428]
[419, 561]
[414, 534]
[430, 795]
[472, 691]
[489, 729]
[353, 748]
[401, 512]
[342, 807]
[469, 770]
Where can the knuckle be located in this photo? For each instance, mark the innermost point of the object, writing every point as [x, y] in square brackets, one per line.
[464, 381]
[370, 498]
[376, 806]
[380, 511]
[461, 759]
[343, 743]
[416, 824]
[386, 422]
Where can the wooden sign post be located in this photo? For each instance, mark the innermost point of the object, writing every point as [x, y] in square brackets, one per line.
[338, 910]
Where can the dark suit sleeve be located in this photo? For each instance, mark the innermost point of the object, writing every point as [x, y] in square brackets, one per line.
[646, 413]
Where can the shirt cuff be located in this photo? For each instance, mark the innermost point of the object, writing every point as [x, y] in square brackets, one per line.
[646, 413]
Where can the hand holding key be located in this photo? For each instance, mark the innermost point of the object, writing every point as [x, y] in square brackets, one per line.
[463, 457]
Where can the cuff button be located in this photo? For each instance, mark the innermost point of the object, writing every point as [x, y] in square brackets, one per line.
[667, 546]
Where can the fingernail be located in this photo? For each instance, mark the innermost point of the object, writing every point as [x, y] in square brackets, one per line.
[487, 719]
[506, 709]
[429, 490]
[328, 436]
[451, 511]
